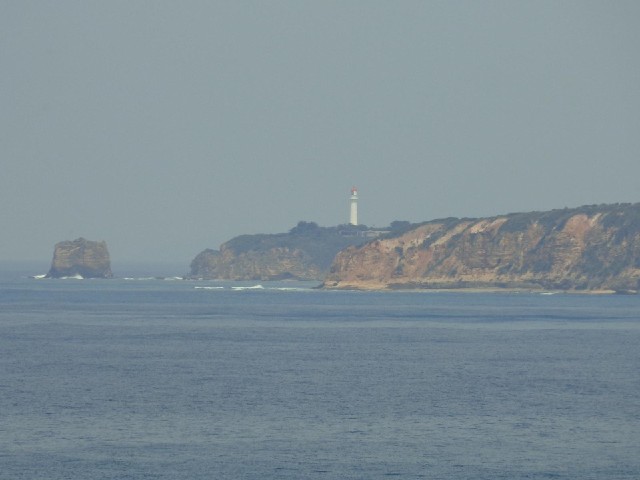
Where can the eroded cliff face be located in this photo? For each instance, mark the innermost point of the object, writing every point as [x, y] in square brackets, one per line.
[588, 248]
[278, 263]
[80, 257]
[305, 253]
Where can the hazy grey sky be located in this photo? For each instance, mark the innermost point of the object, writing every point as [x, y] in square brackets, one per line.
[168, 127]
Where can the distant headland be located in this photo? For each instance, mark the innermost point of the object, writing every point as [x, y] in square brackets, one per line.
[304, 253]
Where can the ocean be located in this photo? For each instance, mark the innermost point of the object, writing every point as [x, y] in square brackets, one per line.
[169, 379]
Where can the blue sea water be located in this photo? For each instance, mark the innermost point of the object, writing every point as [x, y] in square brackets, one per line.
[157, 379]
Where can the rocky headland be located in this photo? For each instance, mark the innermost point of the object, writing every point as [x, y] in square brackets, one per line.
[80, 258]
[589, 249]
[303, 253]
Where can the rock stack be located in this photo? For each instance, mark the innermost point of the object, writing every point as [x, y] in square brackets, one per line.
[80, 258]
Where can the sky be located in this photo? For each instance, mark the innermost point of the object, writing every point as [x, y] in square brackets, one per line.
[166, 127]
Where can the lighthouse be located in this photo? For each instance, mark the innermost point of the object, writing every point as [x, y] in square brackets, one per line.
[353, 217]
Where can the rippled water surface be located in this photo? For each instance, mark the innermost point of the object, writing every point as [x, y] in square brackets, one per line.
[152, 379]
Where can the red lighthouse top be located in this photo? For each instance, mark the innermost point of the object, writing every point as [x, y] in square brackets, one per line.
[354, 191]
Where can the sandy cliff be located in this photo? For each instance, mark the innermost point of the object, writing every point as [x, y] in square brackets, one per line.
[588, 249]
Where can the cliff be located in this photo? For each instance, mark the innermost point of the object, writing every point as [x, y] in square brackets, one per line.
[80, 257]
[589, 248]
[304, 253]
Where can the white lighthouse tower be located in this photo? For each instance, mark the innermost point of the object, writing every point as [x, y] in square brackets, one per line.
[353, 217]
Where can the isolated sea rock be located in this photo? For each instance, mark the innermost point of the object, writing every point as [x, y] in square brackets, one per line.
[80, 257]
[591, 248]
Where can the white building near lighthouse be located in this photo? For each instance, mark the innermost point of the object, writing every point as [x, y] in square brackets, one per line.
[353, 217]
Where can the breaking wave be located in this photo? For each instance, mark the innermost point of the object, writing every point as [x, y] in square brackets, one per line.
[255, 287]
[258, 287]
